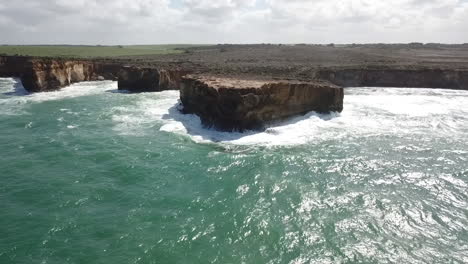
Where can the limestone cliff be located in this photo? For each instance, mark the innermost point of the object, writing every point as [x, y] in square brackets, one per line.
[45, 74]
[13, 66]
[52, 74]
[136, 79]
[237, 104]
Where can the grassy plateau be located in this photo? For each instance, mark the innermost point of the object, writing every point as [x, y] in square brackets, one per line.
[90, 51]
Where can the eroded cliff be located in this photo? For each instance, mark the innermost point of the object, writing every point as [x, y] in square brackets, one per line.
[238, 104]
[247, 101]
[52, 75]
[45, 74]
[137, 79]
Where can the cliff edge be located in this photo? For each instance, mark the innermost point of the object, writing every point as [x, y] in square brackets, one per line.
[233, 104]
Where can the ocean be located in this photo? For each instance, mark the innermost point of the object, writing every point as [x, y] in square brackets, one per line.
[90, 174]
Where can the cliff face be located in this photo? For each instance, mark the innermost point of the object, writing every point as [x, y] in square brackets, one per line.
[44, 74]
[423, 78]
[235, 104]
[136, 79]
[231, 103]
[11, 66]
[52, 75]
[40, 75]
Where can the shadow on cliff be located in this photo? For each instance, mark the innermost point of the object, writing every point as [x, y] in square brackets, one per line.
[18, 89]
[193, 125]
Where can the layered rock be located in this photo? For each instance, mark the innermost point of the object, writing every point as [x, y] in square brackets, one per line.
[135, 79]
[52, 75]
[238, 104]
[44, 74]
[13, 66]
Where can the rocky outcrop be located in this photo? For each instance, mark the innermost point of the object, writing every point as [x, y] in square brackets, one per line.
[238, 104]
[44, 74]
[13, 66]
[51, 74]
[394, 77]
[135, 79]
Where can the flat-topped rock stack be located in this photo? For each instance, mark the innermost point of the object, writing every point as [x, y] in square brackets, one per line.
[232, 104]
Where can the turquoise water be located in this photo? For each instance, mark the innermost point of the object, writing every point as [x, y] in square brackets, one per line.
[91, 175]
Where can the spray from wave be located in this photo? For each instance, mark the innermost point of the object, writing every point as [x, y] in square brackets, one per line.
[13, 96]
[368, 112]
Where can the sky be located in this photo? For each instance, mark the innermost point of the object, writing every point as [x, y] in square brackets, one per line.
[111, 22]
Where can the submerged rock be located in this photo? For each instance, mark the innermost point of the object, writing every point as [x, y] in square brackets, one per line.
[231, 104]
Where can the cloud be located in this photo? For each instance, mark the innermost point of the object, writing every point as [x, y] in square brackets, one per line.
[238, 21]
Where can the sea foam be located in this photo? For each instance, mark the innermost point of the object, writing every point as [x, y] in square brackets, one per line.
[367, 112]
[13, 96]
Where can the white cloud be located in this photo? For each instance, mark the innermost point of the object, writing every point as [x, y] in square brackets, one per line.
[239, 21]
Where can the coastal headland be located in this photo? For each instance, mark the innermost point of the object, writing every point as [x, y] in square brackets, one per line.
[237, 87]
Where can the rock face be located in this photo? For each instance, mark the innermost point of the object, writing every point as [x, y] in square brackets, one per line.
[12, 66]
[234, 104]
[43, 74]
[52, 75]
[136, 79]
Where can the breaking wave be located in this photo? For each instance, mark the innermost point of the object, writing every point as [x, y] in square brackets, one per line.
[382, 182]
[367, 112]
[13, 96]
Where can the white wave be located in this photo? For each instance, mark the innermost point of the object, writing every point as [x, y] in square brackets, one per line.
[13, 96]
[367, 112]
[11, 86]
[12, 89]
[74, 90]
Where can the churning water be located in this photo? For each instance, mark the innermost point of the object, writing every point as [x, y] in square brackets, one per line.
[91, 175]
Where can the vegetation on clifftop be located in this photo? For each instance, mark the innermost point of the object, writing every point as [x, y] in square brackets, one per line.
[90, 51]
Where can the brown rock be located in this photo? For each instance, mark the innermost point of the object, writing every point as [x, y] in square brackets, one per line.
[48, 75]
[135, 79]
[45, 74]
[238, 104]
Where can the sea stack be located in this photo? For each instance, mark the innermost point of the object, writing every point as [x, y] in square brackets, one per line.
[238, 104]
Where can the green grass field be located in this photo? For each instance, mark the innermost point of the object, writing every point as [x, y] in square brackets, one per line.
[91, 51]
